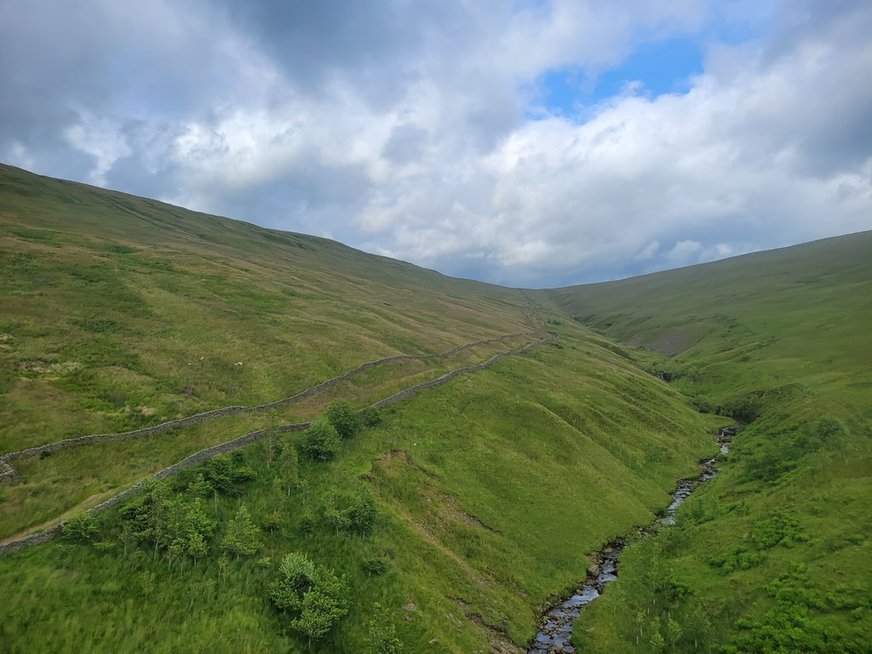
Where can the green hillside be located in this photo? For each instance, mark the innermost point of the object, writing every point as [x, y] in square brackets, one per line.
[449, 519]
[774, 554]
[452, 521]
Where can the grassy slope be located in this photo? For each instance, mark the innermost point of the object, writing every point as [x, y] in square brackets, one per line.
[121, 312]
[781, 339]
[490, 489]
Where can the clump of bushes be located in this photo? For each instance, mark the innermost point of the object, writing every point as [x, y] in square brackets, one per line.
[312, 595]
[173, 523]
[81, 528]
[320, 441]
[790, 626]
[343, 419]
[354, 513]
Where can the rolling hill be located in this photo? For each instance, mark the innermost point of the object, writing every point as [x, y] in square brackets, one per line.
[537, 427]
[779, 543]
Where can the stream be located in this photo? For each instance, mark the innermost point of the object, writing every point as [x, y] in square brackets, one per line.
[555, 630]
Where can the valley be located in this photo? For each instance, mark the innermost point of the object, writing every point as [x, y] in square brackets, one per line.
[502, 437]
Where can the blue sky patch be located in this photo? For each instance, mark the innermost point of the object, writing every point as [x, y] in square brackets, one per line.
[661, 67]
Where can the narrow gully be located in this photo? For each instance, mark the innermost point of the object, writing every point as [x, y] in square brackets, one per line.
[555, 631]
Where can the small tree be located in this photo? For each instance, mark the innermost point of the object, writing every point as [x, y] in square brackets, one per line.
[342, 418]
[270, 445]
[289, 465]
[81, 528]
[354, 513]
[296, 577]
[320, 441]
[199, 487]
[361, 512]
[273, 520]
[243, 536]
[312, 594]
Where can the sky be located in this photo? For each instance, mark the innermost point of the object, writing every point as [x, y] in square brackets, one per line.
[529, 143]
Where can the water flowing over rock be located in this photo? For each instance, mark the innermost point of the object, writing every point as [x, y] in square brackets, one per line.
[555, 631]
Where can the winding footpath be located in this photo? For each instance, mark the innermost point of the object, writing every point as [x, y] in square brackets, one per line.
[7, 471]
[555, 631]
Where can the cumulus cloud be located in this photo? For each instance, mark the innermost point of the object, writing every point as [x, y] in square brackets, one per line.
[423, 132]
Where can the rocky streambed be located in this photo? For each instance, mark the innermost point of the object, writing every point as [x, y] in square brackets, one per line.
[555, 630]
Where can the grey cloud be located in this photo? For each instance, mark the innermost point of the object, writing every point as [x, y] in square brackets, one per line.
[401, 126]
[406, 144]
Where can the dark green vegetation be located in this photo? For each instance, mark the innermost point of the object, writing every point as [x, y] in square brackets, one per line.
[774, 554]
[444, 522]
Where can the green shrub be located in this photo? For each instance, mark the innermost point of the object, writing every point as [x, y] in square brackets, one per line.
[242, 537]
[382, 636]
[342, 418]
[374, 566]
[320, 441]
[779, 529]
[312, 595]
[355, 513]
[737, 558]
[81, 528]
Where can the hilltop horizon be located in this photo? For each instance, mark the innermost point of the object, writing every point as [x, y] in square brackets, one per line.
[568, 283]
[531, 144]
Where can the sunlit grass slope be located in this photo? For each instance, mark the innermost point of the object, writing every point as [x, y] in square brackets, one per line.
[775, 553]
[489, 491]
[121, 312]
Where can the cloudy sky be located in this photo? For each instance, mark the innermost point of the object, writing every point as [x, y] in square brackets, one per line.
[525, 142]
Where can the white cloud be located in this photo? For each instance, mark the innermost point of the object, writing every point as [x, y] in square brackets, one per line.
[412, 136]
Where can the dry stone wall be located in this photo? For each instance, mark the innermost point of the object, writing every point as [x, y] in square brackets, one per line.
[7, 471]
[251, 437]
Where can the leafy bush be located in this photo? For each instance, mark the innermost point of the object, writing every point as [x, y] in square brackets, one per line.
[313, 596]
[320, 441]
[737, 558]
[789, 626]
[383, 633]
[374, 566]
[355, 513]
[342, 418]
[81, 528]
[242, 536]
[227, 474]
[779, 529]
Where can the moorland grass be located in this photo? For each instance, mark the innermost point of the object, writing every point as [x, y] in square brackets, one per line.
[487, 501]
[777, 340]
